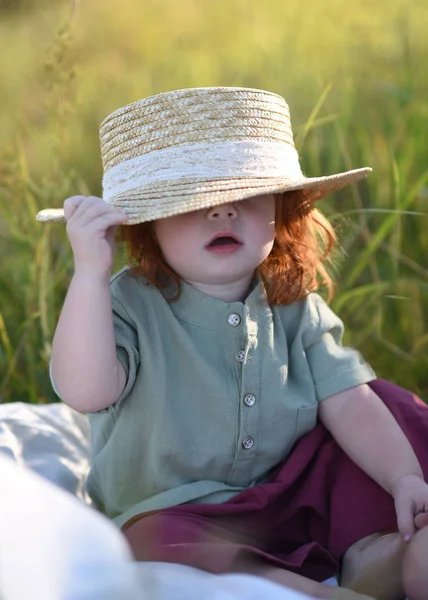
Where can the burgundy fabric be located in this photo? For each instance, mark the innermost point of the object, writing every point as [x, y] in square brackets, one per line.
[315, 505]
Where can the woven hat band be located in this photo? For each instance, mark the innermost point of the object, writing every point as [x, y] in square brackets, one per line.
[204, 161]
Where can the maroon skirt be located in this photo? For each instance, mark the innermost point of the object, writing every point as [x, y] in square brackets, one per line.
[315, 505]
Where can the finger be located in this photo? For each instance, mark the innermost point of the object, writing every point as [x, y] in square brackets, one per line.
[104, 221]
[91, 209]
[405, 522]
[71, 205]
[89, 203]
[111, 233]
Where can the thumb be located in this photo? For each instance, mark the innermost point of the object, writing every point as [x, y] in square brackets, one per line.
[71, 205]
[111, 234]
[405, 522]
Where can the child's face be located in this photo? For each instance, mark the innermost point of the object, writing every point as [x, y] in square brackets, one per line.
[245, 232]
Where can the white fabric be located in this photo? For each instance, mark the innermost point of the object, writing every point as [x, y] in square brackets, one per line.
[54, 547]
[204, 161]
[52, 440]
[177, 582]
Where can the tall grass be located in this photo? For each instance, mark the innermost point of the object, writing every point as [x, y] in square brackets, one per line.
[356, 83]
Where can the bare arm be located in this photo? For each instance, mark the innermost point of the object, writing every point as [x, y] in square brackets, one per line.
[366, 430]
[85, 368]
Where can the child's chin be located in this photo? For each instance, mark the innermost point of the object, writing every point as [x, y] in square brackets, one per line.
[228, 276]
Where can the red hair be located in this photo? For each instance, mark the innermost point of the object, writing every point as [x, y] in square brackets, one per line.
[295, 266]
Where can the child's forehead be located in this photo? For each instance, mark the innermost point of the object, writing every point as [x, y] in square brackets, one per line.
[241, 202]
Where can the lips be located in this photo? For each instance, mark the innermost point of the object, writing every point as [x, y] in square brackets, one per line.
[224, 238]
[224, 243]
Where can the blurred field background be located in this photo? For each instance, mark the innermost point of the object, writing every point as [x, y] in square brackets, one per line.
[355, 77]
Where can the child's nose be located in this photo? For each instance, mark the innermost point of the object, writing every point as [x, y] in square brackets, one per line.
[224, 211]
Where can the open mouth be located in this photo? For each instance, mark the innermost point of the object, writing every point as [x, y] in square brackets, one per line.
[224, 243]
[222, 238]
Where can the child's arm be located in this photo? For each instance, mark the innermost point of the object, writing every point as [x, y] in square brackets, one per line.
[369, 434]
[85, 368]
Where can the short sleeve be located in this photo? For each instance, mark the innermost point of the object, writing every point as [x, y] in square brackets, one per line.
[334, 367]
[126, 338]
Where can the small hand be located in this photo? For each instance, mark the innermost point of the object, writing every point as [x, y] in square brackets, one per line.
[410, 495]
[91, 225]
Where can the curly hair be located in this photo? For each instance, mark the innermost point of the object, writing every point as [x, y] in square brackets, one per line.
[296, 265]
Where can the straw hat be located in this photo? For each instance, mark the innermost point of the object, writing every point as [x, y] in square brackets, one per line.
[194, 148]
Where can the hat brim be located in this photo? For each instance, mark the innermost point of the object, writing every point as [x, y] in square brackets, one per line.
[148, 203]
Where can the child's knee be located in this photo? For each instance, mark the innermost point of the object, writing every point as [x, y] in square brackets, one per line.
[415, 572]
[373, 566]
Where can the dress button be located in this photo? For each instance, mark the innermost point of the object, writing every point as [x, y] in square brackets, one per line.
[233, 319]
[249, 399]
[248, 443]
[240, 356]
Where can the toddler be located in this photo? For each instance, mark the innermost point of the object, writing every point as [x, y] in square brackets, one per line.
[231, 429]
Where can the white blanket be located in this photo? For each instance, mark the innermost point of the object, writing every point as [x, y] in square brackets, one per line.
[52, 440]
[54, 547]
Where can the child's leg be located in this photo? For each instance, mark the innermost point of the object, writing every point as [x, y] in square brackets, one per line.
[384, 566]
[299, 583]
[415, 567]
[373, 566]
